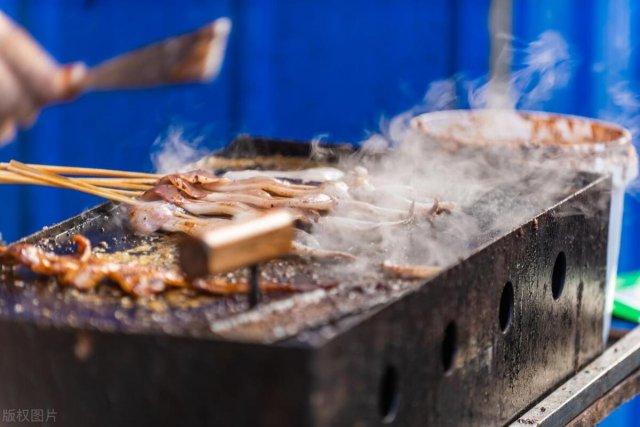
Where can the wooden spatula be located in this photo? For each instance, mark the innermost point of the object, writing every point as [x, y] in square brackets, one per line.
[192, 57]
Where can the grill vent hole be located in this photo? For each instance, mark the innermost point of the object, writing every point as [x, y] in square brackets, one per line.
[449, 346]
[505, 314]
[559, 275]
[389, 396]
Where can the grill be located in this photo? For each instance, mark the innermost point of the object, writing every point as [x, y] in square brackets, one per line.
[476, 345]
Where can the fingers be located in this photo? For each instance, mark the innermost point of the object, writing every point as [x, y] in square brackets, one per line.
[17, 106]
[29, 79]
[26, 60]
[40, 77]
[15, 102]
[71, 79]
[7, 131]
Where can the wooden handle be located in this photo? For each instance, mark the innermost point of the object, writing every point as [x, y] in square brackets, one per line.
[192, 57]
[241, 244]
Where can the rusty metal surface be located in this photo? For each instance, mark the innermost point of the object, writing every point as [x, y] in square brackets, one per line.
[581, 391]
[362, 353]
[626, 390]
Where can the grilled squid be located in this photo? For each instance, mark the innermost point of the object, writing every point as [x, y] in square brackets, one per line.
[85, 271]
[318, 202]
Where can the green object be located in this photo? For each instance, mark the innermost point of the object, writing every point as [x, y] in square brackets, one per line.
[626, 304]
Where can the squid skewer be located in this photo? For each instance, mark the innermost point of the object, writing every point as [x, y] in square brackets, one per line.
[198, 184]
[270, 185]
[226, 205]
[318, 201]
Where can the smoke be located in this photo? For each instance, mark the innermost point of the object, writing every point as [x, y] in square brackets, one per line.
[547, 67]
[441, 95]
[492, 191]
[482, 164]
[544, 67]
[174, 152]
[539, 70]
[624, 107]
[402, 184]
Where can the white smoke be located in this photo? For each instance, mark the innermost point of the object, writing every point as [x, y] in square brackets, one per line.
[493, 191]
[174, 151]
[624, 107]
[545, 66]
[495, 187]
[441, 95]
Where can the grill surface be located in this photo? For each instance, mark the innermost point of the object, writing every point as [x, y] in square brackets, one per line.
[362, 352]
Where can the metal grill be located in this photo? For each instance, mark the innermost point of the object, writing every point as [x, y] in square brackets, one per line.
[476, 345]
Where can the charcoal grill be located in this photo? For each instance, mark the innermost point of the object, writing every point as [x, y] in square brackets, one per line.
[478, 344]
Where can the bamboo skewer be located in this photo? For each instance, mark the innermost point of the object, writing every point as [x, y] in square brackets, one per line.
[73, 170]
[18, 179]
[72, 183]
[65, 182]
[186, 215]
[114, 184]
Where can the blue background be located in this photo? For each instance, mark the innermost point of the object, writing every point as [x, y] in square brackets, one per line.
[297, 69]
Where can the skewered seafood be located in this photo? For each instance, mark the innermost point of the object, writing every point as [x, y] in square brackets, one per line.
[198, 201]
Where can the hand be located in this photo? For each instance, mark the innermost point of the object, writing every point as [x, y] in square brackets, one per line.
[30, 79]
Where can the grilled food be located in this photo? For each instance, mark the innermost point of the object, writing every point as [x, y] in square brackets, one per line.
[197, 202]
[84, 270]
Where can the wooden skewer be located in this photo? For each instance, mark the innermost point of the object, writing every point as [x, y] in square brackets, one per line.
[61, 181]
[7, 177]
[115, 184]
[73, 170]
[187, 215]
[21, 168]
[128, 193]
[64, 182]
[141, 181]
[11, 178]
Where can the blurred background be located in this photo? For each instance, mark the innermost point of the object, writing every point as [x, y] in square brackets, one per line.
[302, 70]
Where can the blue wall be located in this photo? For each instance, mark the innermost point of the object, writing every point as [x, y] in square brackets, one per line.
[294, 69]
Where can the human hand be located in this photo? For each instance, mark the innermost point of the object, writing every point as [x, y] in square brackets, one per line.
[29, 78]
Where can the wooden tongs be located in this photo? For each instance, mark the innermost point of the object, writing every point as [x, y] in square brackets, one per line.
[31, 79]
